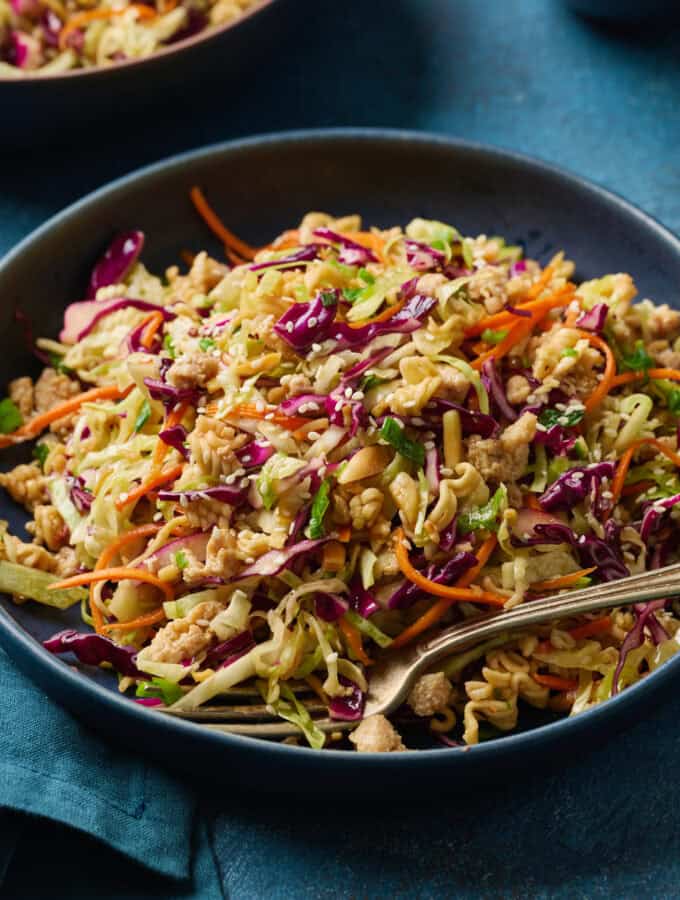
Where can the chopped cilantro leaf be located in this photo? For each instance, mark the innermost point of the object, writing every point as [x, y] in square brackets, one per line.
[143, 416]
[10, 417]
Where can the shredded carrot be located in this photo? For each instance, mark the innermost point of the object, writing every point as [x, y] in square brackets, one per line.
[555, 683]
[187, 257]
[541, 284]
[620, 475]
[606, 383]
[155, 321]
[367, 239]
[116, 573]
[39, 423]
[516, 334]
[234, 258]
[353, 637]
[532, 502]
[345, 534]
[218, 228]
[147, 486]
[250, 411]
[588, 629]
[107, 555]
[634, 490]
[437, 610]
[285, 241]
[140, 622]
[83, 19]
[656, 374]
[562, 581]
[561, 297]
[381, 317]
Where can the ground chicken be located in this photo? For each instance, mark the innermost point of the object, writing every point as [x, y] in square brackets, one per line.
[187, 637]
[517, 389]
[489, 286]
[376, 735]
[365, 508]
[504, 459]
[26, 484]
[21, 394]
[663, 355]
[51, 389]
[455, 385]
[66, 563]
[431, 694]
[48, 527]
[212, 444]
[193, 371]
[664, 322]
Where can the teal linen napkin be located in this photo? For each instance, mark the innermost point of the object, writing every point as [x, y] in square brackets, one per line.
[53, 766]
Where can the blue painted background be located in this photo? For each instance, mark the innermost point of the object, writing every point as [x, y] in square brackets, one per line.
[522, 74]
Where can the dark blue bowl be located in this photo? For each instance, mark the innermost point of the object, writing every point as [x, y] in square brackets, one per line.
[261, 186]
[68, 107]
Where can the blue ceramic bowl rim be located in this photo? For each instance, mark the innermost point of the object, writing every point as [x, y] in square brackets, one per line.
[200, 38]
[16, 639]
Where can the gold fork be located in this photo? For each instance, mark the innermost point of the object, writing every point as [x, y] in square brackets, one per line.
[395, 673]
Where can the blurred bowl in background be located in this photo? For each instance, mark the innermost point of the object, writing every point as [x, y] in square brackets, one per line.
[625, 10]
[57, 107]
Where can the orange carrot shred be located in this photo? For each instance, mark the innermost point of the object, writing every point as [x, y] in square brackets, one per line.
[562, 581]
[33, 428]
[555, 683]
[140, 622]
[146, 486]
[116, 573]
[154, 322]
[588, 629]
[107, 555]
[353, 637]
[218, 228]
[437, 610]
[605, 384]
[250, 411]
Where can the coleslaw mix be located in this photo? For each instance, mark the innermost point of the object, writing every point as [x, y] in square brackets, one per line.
[276, 470]
[49, 37]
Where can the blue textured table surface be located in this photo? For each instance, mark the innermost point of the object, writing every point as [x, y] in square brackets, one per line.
[523, 74]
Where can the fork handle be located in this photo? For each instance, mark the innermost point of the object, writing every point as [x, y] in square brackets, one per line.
[624, 592]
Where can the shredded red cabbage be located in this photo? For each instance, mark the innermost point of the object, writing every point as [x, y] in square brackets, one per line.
[645, 617]
[93, 649]
[654, 513]
[116, 263]
[350, 253]
[471, 422]
[304, 324]
[330, 607]
[81, 499]
[595, 319]
[515, 311]
[492, 382]
[305, 254]
[432, 467]
[227, 652]
[574, 485]
[448, 573]
[276, 561]
[168, 393]
[361, 600]
[605, 555]
[175, 437]
[254, 454]
[232, 494]
[80, 318]
[349, 708]
[422, 257]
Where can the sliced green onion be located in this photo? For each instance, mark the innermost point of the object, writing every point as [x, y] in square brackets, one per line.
[393, 433]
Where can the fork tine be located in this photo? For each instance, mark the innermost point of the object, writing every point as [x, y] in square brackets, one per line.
[255, 712]
[278, 730]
